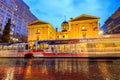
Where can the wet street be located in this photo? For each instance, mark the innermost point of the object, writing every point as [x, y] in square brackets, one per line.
[59, 69]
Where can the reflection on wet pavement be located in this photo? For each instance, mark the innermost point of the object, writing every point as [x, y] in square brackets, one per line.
[59, 69]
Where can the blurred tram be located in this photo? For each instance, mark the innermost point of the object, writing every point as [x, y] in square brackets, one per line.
[83, 47]
[107, 44]
[14, 46]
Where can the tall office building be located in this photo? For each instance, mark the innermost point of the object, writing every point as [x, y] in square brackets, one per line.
[113, 23]
[20, 16]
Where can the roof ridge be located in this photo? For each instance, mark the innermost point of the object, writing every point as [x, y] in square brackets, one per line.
[85, 16]
[38, 21]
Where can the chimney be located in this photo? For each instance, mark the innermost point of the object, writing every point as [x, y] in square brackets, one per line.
[56, 29]
[71, 18]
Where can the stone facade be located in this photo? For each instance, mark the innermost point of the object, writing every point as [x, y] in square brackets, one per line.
[83, 26]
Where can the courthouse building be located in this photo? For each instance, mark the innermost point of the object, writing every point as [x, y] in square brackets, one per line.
[83, 26]
[20, 16]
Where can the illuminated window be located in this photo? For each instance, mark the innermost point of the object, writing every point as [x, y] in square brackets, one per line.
[11, 33]
[84, 31]
[12, 29]
[84, 28]
[38, 31]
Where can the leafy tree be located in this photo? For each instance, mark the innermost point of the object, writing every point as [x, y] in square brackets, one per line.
[6, 32]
